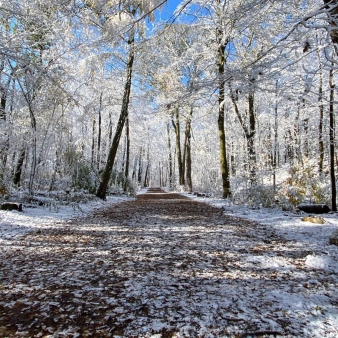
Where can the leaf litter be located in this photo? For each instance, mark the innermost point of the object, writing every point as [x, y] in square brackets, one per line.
[168, 266]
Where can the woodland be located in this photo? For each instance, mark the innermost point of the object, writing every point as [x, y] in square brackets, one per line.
[161, 150]
[235, 99]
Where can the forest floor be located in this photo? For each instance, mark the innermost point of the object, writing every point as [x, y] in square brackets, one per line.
[165, 265]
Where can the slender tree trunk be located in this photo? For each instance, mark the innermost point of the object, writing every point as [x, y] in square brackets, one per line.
[181, 164]
[221, 116]
[249, 131]
[99, 135]
[146, 175]
[110, 133]
[332, 150]
[306, 137]
[145, 182]
[321, 117]
[139, 173]
[170, 158]
[3, 115]
[188, 150]
[133, 176]
[276, 150]
[34, 146]
[93, 142]
[102, 191]
[18, 170]
[4, 87]
[298, 136]
[251, 138]
[126, 169]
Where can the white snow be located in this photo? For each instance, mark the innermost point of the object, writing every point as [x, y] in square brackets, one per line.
[299, 252]
[15, 223]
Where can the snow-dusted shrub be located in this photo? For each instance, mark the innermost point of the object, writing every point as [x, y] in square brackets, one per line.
[304, 184]
[4, 189]
[259, 194]
[253, 194]
[83, 174]
[120, 184]
[85, 177]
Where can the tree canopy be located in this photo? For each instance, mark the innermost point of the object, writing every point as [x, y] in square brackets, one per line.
[233, 98]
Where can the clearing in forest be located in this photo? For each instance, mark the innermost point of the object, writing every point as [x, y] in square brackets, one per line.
[163, 266]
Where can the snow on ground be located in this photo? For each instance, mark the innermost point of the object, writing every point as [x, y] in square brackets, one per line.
[15, 223]
[321, 257]
[287, 223]
[195, 276]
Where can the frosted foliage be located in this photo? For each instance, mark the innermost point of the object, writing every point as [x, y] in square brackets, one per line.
[144, 6]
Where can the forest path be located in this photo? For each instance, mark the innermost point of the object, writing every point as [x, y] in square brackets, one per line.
[162, 265]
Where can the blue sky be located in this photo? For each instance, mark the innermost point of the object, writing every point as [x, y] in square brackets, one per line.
[169, 8]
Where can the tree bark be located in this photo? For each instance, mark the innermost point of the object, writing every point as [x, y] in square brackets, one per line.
[275, 152]
[34, 146]
[102, 191]
[251, 138]
[221, 115]
[99, 132]
[4, 88]
[170, 158]
[126, 169]
[18, 169]
[145, 182]
[181, 164]
[332, 148]
[298, 150]
[146, 175]
[93, 142]
[321, 117]
[188, 150]
[249, 132]
[139, 173]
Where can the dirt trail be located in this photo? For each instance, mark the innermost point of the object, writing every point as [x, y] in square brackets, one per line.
[162, 264]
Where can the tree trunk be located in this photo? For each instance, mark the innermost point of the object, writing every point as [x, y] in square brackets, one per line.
[126, 169]
[99, 135]
[133, 176]
[249, 131]
[188, 150]
[298, 151]
[145, 182]
[18, 170]
[221, 115]
[102, 191]
[110, 132]
[34, 146]
[251, 139]
[146, 175]
[4, 91]
[170, 158]
[93, 142]
[139, 173]
[332, 150]
[321, 117]
[181, 164]
[3, 115]
[275, 152]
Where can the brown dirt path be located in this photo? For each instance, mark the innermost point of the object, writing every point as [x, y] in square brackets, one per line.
[162, 264]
